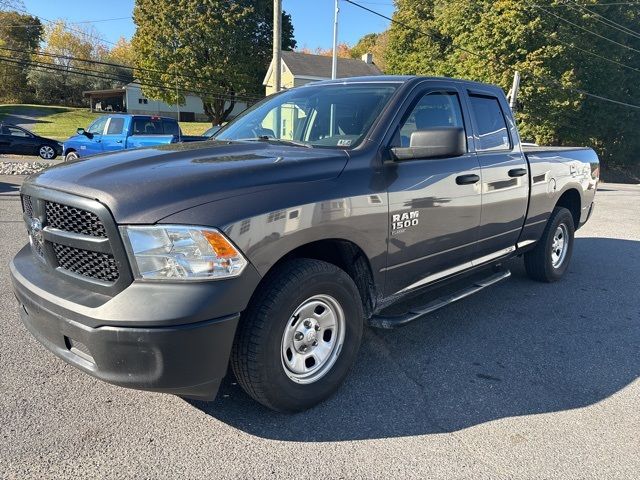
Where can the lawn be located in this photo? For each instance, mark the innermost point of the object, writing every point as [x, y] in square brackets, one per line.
[61, 122]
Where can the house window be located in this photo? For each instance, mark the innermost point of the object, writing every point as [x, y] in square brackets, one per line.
[143, 100]
[275, 216]
[245, 226]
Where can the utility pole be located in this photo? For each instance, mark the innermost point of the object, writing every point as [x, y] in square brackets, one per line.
[277, 44]
[513, 93]
[334, 63]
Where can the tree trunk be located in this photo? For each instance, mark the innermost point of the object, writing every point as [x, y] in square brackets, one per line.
[215, 110]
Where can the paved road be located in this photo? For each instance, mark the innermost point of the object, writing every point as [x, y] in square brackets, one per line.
[524, 380]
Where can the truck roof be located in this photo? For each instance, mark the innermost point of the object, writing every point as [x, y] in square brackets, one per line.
[404, 79]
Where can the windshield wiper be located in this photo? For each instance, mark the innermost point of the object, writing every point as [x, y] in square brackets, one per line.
[266, 138]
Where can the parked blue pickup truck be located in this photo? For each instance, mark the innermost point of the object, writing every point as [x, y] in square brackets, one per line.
[122, 132]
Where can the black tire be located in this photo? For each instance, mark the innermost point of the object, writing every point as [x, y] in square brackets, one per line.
[71, 155]
[257, 354]
[539, 262]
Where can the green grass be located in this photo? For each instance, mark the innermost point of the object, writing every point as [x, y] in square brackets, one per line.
[53, 122]
[62, 122]
[194, 128]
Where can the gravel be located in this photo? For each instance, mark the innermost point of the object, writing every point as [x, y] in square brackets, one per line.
[22, 168]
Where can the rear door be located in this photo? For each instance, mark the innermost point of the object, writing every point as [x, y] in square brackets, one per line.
[115, 136]
[505, 179]
[433, 218]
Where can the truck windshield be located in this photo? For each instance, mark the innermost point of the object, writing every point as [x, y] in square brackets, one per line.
[334, 116]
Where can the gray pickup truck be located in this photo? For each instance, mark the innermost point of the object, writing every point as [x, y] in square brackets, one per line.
[322, 209]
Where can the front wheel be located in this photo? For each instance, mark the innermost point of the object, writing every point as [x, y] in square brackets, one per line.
[549, 260]
[47, 152]
[299, 337]
[70, 156]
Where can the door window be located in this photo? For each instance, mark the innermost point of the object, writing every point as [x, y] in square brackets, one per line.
[115, 126]
[15, 132]
[492, 127]
[170, 127]
[147, 126]
[97, 127]
[434, 109]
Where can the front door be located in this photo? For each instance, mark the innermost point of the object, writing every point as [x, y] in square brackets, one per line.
[92, 142]
[434, 216]
[18, 141]
[114, 137]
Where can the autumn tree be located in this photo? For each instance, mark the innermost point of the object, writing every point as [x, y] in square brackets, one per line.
[552, 45]
[217, 49]
[19, 36]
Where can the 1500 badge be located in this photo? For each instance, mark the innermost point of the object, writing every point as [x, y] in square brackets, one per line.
[401, 221]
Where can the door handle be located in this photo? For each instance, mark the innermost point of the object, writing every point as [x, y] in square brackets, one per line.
[517, 172]
[467, 179]
[118, 141]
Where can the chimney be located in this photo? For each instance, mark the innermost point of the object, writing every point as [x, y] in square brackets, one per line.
[367, 58]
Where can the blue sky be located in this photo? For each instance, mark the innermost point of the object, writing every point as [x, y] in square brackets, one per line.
[312, 19]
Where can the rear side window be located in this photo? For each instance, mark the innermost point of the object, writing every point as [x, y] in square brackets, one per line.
[147, 126]
[492, 127]
[115, 126]
[170, 127]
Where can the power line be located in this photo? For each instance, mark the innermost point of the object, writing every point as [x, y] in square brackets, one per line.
[585, 29]
[610, 23]
[610, 60]
[104, 76]
[240, 97]
[553, 81]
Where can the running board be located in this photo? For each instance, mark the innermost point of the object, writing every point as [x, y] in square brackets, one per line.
[394, 321]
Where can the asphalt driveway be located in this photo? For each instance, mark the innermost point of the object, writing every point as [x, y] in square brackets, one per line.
[524, 380]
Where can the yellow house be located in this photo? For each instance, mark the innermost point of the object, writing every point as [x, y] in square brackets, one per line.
[301, 68]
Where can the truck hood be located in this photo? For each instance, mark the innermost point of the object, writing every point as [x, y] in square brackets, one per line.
[146, 185]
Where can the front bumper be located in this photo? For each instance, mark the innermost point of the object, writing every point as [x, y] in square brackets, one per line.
[159, 337]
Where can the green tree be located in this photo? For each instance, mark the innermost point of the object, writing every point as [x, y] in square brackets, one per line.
[19, 34]
[376, 44]
[218, 49]
[487, 40]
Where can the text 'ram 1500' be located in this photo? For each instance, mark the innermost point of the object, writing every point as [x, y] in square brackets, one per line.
[318, 211]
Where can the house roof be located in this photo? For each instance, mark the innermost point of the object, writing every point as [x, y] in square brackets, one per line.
[318, 67]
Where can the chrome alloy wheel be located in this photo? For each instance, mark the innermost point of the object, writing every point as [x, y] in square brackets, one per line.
[312, 339]
[46, 152]
[559, 245]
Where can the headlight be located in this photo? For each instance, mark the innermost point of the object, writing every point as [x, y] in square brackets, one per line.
[178, 252]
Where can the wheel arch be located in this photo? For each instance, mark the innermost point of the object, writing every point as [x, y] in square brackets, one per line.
[572, 201]
[346, 255]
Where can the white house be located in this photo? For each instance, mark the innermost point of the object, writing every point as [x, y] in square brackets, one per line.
[130, 99]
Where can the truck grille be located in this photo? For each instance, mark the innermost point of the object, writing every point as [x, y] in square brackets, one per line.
[101, 266]
[72, 219]
[73, 239]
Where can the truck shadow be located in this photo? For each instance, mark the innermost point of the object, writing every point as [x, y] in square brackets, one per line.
[519, 348]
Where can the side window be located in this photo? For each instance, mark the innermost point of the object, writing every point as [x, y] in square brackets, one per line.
[492, 127]
[147, 126]
[115, 126]
[97, 127]
[16, 132]
[170, 127]
[434, 109]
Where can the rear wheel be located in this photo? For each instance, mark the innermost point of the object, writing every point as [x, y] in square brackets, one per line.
[549, 260]
[300, 336]
[47, 152]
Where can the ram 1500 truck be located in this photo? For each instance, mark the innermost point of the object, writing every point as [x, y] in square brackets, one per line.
[320, 210]
[110, 133]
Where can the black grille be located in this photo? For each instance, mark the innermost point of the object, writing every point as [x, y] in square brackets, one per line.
[101, 266]
[72, 219]
[27, 206]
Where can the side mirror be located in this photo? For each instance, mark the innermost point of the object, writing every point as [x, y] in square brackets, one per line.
[437, 142]
[80, 131]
